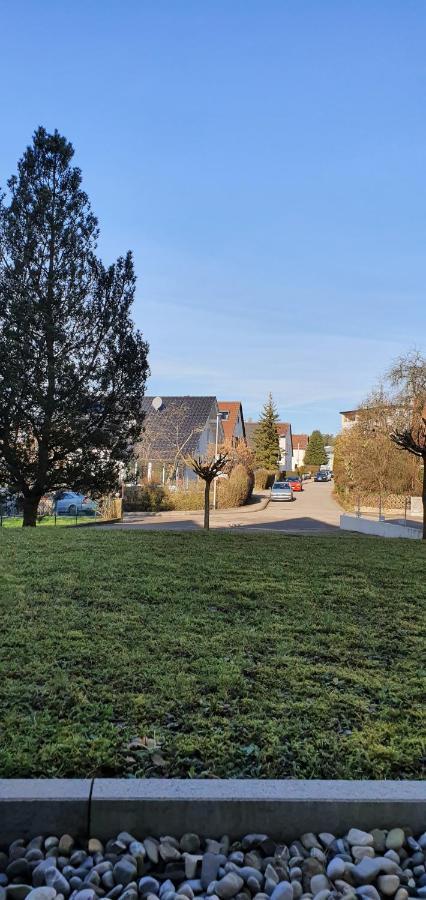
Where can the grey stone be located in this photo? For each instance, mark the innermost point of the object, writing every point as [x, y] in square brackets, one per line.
[326, 838]
[66, 845]
[86, 894]
[368, 890]
[379, 839]
[395, 839]
[388, 884]
[336, 868]
[359, 853]
[95, 846]
[319, 883]
[252, 841]
[151, 846]
[124, 871]
[42, 893]
[228, 886]
[283, 891]
[358, 838]
[367, 870]
[392, 854]
[191, 864]
[323, 895]
[57, 881]
[50, 842]
[247, 872]
[401, 894]
[190, 843]
[310, 840]
[168, 852]
[209, 868]
[148, 885]
[19, 868]
[17, 891]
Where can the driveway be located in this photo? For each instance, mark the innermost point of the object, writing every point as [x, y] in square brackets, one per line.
[313, 511]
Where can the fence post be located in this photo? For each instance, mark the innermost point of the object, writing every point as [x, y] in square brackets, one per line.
[405, 510]
[358, 512]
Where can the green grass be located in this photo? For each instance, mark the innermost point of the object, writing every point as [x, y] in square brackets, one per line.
[16, 521]
[255, 655]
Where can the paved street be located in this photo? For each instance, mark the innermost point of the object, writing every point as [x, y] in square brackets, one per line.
[313, 511]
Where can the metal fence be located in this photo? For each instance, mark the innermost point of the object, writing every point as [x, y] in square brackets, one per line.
[400, 515]
[108, 509]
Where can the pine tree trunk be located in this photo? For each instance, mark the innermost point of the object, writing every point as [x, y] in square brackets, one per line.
[30, 511]
[207, 506]
[424, 497]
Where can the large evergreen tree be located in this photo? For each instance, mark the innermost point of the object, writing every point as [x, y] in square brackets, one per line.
[266, 441]
[315, 454]
[72, 365]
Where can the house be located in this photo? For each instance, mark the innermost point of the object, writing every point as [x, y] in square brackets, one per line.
[174, 428]
[286, 446]
[300, 443]
[231, 414]
[284, 439]
[348, 418]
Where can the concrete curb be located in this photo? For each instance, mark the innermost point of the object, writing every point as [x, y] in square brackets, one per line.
[29, 806]
[380, 529]
[284, 809]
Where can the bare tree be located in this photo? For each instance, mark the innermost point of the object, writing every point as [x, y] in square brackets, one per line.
[407, 379]
[174, 439]
[207, 470]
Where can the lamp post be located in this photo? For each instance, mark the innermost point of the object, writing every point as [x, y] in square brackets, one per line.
[219, 415]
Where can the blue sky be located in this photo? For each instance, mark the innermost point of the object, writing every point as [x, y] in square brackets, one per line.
[264, 160]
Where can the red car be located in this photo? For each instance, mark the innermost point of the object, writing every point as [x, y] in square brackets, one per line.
[295, 482]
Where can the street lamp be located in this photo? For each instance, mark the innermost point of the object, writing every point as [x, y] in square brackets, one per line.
[219, 415]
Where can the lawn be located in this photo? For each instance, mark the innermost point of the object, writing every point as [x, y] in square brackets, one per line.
[201, 655]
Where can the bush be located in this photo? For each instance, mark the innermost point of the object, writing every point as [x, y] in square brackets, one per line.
[235, 490]
[145, 498]
[192, 498]
[263, 479]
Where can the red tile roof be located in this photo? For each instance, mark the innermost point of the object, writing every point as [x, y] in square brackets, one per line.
[233, 407]
[282, 428]
[300, 441]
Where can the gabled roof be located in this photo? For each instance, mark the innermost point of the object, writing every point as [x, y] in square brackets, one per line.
[234, 408]
[283, 428]
[175, 426]
[300, 441]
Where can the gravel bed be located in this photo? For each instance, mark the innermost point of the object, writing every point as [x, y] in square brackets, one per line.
[361, 865]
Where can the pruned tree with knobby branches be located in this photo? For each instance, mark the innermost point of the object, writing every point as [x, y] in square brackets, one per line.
[207, 470]
[407, 379]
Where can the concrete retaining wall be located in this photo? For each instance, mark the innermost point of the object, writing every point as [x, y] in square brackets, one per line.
[382, 529]
[283, 809]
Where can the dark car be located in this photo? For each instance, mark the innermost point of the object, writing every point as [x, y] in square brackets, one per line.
[322, 476]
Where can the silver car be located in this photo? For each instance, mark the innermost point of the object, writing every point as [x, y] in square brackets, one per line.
[281, 490]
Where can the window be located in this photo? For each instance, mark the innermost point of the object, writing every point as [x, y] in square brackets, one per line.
[224, 414]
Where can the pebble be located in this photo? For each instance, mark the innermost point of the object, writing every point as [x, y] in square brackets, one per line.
[358, 838]
[395, 839]
[359, 865]
[283, 891]
[388, 884]
[190, 843]
[336, 868]
[229, 886]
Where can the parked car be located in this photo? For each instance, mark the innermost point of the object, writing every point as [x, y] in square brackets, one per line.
[322, 476]
[69, 503]
[281, 490]
[295, 482]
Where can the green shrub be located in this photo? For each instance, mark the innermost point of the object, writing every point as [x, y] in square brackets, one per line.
[263, 479]
[145, 498]
[235, 490]
[192, 498]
